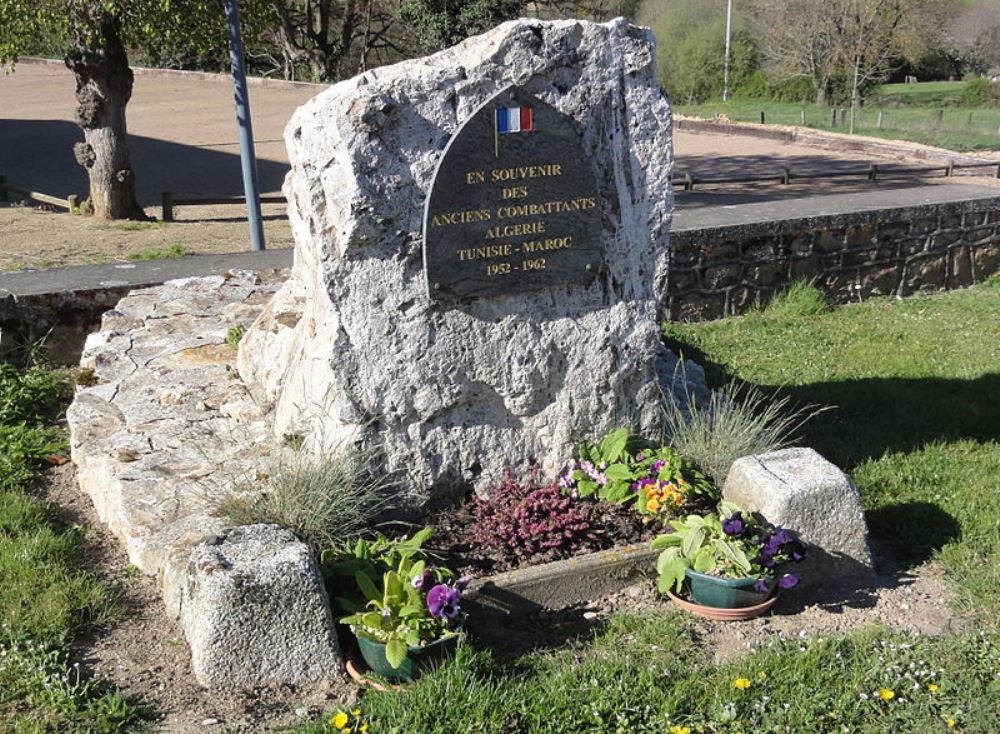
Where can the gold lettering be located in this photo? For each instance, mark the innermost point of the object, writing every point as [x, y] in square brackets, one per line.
[476, 215]
[515, 192]
[480, 253]
[556, 243]
[521, 172]
[474, 177]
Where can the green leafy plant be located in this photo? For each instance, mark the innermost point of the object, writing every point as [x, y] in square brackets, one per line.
[416, 603]
[234, 335]
[618, 469]
[729, 543]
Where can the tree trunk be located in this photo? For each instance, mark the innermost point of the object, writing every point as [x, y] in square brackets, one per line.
[103, 88]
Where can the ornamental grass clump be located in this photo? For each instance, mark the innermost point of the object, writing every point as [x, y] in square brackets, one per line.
[737, 420]
[526, 519]
[322, 499]
[731, 544]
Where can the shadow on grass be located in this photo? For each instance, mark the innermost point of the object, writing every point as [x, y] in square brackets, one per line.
[910, 533]
[876, 415]
[511, 636]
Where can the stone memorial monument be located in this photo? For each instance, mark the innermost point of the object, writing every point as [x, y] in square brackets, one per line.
[481, 247]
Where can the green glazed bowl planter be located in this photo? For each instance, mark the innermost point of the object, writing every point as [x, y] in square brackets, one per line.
[725, 593]
[417, 657]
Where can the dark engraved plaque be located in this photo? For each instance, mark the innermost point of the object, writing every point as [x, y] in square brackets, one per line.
[513, 204]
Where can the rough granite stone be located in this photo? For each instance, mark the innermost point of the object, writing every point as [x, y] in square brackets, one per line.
[255, 611]
[800, 490]
[165, 431]
[351, 345]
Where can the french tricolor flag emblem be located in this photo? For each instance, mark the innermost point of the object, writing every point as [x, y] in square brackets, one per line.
[514, 120]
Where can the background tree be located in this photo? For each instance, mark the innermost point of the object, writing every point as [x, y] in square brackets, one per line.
[95, 35]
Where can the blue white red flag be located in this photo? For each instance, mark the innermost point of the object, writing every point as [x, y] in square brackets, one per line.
[514, 120]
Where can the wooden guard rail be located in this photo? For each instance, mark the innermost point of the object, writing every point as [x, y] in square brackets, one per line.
[687, 180]
[71, 202]
[168, 202]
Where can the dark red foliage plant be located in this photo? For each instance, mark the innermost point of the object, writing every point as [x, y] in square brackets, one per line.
[526, 519]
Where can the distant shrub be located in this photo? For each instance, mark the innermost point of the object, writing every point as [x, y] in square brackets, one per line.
[760, 85]
[234, 335]
[525, 518]
[799, 299]
[981, 92]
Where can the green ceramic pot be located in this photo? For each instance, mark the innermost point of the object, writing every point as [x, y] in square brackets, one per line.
[723, 593]
[416, 657]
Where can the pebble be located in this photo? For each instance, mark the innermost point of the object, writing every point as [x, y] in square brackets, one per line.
[590, 616]
[302, 712]
[210, 722]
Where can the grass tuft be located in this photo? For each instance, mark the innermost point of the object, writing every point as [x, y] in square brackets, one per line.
[323, 500]
[738, 420]
[800, 299]
[174, 249]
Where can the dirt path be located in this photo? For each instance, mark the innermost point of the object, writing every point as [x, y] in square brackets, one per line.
[144, 652]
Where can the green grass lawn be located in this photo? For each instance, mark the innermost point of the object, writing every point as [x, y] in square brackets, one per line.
[923, 93]
[47, 596]
[959, 128]
[917, 419]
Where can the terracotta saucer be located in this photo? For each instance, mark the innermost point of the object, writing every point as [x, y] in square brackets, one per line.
[726, 615]
[357, 669]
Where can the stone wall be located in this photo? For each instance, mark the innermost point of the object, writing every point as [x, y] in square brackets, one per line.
[726, 270]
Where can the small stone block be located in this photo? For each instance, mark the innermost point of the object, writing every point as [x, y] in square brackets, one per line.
[800, 490]
[255, 611]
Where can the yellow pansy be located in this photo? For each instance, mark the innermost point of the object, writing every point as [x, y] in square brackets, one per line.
[742, 683]
[339, 720]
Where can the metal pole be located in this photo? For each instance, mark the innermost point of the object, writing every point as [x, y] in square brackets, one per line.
[725, 73]
[242, 97]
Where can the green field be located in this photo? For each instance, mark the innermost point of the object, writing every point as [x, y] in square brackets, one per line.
[951, 127]
[924, 93]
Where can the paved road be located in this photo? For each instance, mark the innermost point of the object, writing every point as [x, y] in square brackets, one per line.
[182, 132]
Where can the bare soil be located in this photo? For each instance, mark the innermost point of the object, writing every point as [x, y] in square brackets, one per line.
[143, 652]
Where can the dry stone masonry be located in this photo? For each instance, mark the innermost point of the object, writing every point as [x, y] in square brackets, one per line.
[353, 347]
[728, 269]
[166, 426]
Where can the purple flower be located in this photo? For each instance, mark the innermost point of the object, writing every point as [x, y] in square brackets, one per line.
[761, 586]
[734, 525]
[788, 581]
[463, 582]
[640, 457]
[442, 601]
[657, 465]
[424, 579]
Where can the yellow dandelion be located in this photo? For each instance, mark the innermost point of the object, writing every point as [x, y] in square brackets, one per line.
[339, 720]
[887, 694]
[678, 729]
[761, 675]
[355, 712]
[933, 688]
[742, 683]
[951, 723]
[363, 729]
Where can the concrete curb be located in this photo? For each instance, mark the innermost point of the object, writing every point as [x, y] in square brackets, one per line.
[561, 583]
